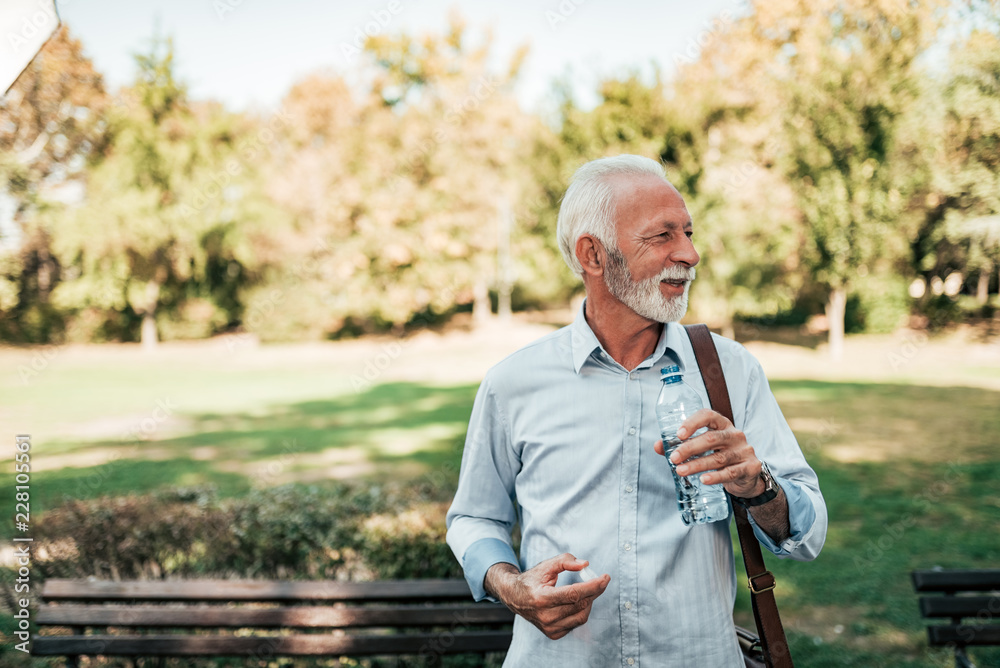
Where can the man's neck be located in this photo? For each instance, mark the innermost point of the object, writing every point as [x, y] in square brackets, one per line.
[624, 334]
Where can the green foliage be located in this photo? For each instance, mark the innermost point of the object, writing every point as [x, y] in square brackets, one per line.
[397, 190]
[812, 142]
[881, 305]
[170, 207]
[51, 121]
[288, 532]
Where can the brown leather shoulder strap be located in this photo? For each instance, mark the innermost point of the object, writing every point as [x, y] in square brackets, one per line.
[765, 609]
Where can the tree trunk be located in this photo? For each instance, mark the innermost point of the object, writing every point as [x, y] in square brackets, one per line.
[503, 304]
[149, 340]
[482, 310]
[983, 287]
[148, 333]
[504, 269]
[836, 306]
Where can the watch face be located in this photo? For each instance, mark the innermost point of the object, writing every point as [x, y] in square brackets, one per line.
[765, 474]
[770, 489]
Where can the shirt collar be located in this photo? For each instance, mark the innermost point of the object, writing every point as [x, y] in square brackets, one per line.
[584, 343]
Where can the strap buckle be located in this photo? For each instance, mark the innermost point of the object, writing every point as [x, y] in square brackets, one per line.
[752, 585]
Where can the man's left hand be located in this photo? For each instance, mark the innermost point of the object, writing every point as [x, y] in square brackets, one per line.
[732, 462]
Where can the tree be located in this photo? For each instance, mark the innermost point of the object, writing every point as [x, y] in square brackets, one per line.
[973, 136]
[396, 191]
[51, 122]
[630, 117]
[844, 71]
[163, 230]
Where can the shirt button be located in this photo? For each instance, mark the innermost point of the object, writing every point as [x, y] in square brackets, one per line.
[631, 431]
[628, 605]
[628, 488]
[630, 661]
[628, 546]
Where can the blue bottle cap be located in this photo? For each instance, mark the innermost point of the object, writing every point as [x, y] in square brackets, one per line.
[670, 369]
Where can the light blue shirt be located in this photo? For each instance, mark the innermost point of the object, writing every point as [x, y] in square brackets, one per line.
[561, 441]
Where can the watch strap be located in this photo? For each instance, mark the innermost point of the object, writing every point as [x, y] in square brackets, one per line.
[769, 494]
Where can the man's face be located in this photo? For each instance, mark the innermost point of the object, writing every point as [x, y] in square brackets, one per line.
[652, 269]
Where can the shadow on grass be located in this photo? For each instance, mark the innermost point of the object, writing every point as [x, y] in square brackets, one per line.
[391, 431]
[909, 474]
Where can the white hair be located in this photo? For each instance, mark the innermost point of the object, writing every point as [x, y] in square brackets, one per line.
[589, 205]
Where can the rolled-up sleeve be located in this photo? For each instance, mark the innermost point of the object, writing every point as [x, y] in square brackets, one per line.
[483, 512]
[768, 432]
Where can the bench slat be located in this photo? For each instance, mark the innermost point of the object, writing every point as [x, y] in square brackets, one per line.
[294, 645]
[957, 580]
[293, 617]
[964, 634]
[959, 606]
[255, 590]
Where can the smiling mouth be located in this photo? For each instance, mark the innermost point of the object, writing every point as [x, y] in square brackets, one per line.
[676, 282]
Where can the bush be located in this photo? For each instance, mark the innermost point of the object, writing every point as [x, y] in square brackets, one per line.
[345, 532]
[288, 532]
[879, 305]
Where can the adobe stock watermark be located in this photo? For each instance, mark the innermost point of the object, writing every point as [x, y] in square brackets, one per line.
[908, 350]
[827, 430]
[264, 309]
[376, 365]
[41, 19]
[40, 360]
[565, 9]
[710, 31]
[269, 471]
[381, 18]
[486, 86]
[749, 167]
[140, 430]
[248, 149]
[223, 7]
[925, 502]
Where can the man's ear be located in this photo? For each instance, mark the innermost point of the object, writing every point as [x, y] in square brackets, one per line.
[590, 254]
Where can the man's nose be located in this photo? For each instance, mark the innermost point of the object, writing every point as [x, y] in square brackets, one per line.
[685, 253]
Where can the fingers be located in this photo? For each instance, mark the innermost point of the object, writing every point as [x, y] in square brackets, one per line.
[731, 460]
[722, 434]
[556, 610]
[739, 473]
[556, 622]
[658, 448]
[706, 417]
[547, 572]
[572, 594]
[563, 626]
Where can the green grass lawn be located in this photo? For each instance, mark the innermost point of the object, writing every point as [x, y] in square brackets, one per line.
[911, 473]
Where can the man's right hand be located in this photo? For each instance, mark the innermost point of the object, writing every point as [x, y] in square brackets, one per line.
[534, 595]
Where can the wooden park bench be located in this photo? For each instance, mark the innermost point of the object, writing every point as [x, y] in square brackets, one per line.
[206, 618]
[961, 594]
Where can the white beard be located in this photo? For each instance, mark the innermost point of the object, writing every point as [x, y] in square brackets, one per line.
[644, 297]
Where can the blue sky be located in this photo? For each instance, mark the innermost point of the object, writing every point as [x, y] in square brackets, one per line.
[248, 53]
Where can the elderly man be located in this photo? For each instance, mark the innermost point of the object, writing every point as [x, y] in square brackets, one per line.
[563, 441]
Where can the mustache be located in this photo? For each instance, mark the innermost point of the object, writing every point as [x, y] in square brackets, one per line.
[677, 272]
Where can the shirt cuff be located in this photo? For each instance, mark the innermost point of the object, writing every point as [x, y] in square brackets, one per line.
[801, 516]
[478, 559]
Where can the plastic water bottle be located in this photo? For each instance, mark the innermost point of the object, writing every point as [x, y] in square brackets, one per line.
[699, 503]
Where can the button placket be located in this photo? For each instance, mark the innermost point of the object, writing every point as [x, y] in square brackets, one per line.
[628, 514]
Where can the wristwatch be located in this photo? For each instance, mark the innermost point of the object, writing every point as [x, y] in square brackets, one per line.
[770, 490]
